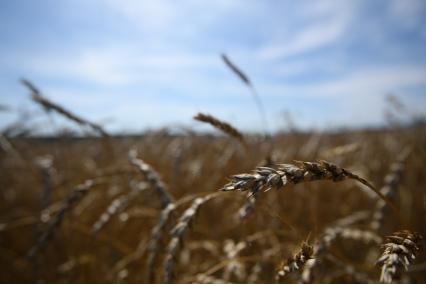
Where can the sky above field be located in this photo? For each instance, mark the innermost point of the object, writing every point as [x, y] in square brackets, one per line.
[133, 65]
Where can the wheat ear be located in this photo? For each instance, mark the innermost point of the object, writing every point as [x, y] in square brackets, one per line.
[177, 234]
[245, 79]
[237, 71]
[400, 249]
[250, 205]
[76, 195]
[295, 262]
[269, 178]
[49, 105]
[116, 206]
[221, 125]
[390, 188]
[152, 178]
[156, 234]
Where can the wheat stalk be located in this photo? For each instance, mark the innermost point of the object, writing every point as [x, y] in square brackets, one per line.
[400, 250]
[49, 105]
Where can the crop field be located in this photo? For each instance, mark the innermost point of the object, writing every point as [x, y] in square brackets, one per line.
[342, 207]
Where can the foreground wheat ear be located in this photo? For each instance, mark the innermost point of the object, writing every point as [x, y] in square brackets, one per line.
[400, 250]
[268, 178]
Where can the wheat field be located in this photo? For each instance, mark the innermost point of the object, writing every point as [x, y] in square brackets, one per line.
[150, 209]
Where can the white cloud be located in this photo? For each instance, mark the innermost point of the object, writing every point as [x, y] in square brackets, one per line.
[317, 36]
[168, 17]
[119, 66]
[360, 82]
[325, 23]
[356, 99]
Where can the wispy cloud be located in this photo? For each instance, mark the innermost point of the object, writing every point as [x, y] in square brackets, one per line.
[312, 38]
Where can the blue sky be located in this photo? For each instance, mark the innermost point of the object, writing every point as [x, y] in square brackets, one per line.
[140, 64]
